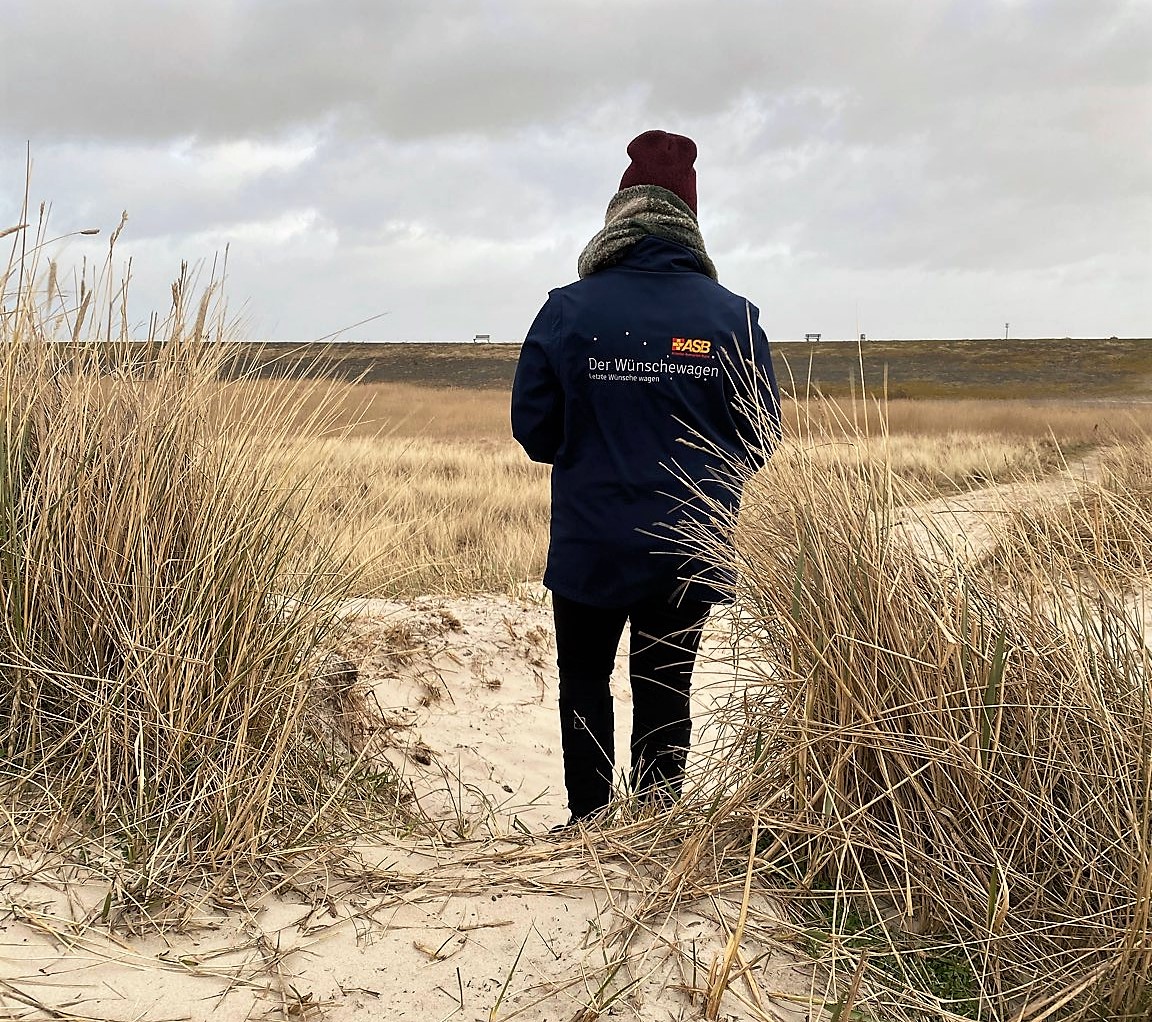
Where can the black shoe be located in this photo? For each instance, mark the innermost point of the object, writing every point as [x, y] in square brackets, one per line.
[591, 819]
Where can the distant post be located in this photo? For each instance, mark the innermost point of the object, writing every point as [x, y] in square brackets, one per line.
[811, 337]
[1005, 331]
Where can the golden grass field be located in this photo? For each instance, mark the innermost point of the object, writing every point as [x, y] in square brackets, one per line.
[428, 493]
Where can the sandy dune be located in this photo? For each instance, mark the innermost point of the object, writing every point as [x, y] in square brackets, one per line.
[496, 921]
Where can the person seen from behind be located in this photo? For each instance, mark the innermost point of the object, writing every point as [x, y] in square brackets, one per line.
[637, 384]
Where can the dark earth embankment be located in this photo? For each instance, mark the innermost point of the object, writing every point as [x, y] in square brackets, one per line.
[993, 368]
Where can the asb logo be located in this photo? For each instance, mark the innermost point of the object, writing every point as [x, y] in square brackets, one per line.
[691, 346]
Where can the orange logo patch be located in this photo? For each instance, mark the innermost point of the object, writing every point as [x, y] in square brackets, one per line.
[691, 346]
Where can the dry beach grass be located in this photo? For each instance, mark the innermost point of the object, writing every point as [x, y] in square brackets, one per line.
[925, 786]
[167, 607]
[947, 768]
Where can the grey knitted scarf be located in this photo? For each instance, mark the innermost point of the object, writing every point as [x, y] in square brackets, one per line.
[639, 212]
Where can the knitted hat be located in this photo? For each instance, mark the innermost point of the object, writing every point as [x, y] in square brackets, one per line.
[659, 158]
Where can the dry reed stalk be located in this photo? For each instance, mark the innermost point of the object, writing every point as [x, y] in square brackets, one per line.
[721, 969]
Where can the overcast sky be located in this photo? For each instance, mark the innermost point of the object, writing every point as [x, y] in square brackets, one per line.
[922, 168]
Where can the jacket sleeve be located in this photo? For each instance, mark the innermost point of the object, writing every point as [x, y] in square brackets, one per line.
[537, 395]
[758, 405]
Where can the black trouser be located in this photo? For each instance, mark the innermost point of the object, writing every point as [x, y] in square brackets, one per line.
[664, 639]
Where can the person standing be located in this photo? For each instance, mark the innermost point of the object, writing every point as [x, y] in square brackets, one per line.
[636, 384]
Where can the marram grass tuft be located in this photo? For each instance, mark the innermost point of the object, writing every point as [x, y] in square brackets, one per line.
[166, 604]
[945, 771]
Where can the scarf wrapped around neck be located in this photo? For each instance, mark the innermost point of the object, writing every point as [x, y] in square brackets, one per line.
[639, 212]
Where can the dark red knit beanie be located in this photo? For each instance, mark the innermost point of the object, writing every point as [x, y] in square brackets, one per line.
[659, 158]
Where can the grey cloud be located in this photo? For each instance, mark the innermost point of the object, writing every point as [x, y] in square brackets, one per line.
[229, 67]
[469, 147]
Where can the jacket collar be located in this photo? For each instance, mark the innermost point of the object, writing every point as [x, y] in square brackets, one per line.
[656, 255]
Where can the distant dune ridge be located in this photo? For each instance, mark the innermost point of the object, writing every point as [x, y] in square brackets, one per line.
[988, 367]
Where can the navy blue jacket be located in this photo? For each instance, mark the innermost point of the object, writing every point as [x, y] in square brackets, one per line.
[616, 370]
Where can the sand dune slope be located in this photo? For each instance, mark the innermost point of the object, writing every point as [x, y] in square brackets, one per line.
[495, 919]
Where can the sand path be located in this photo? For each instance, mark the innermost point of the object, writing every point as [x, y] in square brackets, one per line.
[964, 526]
